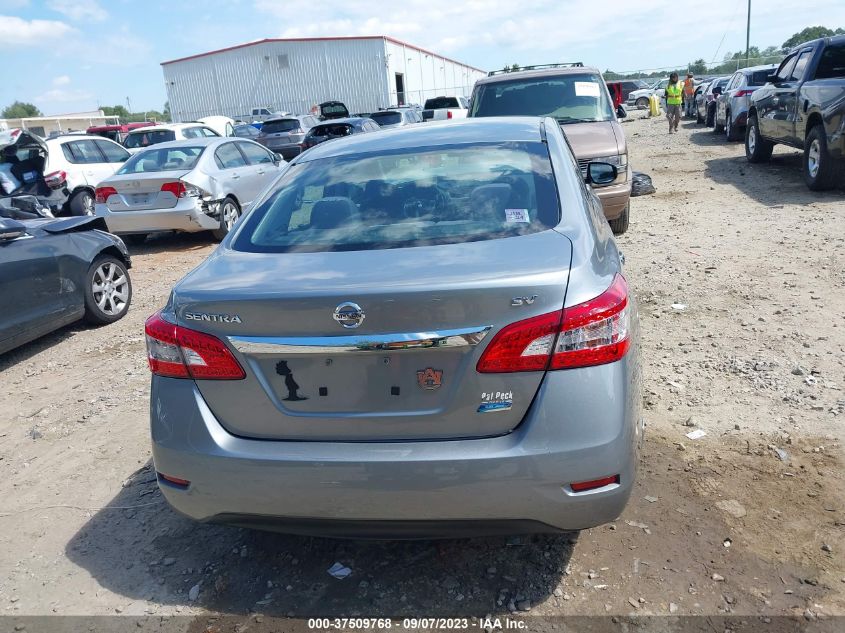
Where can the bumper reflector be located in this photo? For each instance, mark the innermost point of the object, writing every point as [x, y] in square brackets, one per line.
[173, 481]
[583, 486]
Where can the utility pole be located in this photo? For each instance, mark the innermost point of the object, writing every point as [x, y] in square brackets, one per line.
[748, 34]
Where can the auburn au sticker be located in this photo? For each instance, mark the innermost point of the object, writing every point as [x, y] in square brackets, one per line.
[430, 378]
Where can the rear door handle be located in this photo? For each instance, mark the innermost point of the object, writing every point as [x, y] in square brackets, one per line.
[261, 172]
[235, 176]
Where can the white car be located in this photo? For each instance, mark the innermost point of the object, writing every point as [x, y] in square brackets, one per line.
[639, 98]
[444, 108]
[144, 137]
[85, 161]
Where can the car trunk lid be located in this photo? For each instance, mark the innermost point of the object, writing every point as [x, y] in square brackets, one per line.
[142, 191]
[407, 372]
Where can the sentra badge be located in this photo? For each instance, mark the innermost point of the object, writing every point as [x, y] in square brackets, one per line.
[214, 318]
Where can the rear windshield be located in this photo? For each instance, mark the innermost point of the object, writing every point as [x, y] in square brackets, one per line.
[425, 196]
[135, 140]
[333, 130]
[338, 108]
[438, 103]
[386, 118]
[282, 125]
[758, 77]
[166, 159]
[832, 63]
[574, 98]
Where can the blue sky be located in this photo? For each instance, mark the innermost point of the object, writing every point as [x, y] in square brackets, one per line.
[73, 55]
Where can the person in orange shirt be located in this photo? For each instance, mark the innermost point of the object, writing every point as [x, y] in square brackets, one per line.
[689, 98]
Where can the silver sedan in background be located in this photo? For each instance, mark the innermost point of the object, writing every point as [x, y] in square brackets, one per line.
[201, 184]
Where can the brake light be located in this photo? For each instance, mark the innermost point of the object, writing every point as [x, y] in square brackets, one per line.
[743, 93]
[177, 188]
[448, 114]
[101, 194]
[178, 352]
[56, 179]
[595, 332]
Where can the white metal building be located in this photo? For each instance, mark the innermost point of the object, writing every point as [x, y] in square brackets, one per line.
[291, 75]
[44, 125]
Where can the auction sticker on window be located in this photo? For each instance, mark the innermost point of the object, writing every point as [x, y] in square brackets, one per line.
[586, 89]
[493, 401]
[516, 215]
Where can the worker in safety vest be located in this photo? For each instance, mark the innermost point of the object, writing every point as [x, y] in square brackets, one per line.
[674, 96]
[689, 92]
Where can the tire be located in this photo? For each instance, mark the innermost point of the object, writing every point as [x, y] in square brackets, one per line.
[81, 203]
[731, 131]
[710, 121]
[757, 149]
[820, 170]
[134, 239]
[620, 224]
[642, 103]
[229, 214]
[698, 118]
[108, 290]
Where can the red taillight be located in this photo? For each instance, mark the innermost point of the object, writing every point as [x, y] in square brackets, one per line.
[591, 333]
[56, 179]
[101, 194]
[448, 114]
[177, 352]
[583, 486]
[177, 188]
[743, 93]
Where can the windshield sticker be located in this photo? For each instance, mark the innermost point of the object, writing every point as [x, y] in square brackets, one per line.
[495, 401]
[516, 215]
[586, 89]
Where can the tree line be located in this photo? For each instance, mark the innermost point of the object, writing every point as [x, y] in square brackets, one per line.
[23, 110]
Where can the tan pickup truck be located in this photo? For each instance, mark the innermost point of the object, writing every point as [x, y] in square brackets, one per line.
[576, 96]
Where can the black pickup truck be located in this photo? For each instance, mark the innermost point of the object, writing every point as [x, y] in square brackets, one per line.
[803, 105]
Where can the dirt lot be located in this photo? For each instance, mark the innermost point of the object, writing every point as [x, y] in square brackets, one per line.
[748, 520]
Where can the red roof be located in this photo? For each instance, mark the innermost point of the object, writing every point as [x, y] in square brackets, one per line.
[318, 39]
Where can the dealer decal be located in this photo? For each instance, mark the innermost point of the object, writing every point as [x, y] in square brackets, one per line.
[492, 401]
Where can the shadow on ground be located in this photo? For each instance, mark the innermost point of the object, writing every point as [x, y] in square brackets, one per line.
[151, 553]
[26, 351]
[173, 242]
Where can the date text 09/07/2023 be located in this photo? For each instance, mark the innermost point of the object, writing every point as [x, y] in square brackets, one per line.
[412, 624]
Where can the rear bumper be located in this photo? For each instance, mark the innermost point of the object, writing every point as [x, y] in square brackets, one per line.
[584, 424]
[187, 216]
[614, 198]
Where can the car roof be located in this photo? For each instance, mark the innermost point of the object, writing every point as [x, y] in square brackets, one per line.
[168, 126]
[545, 72]
[285, 117]
[202, 141]
[67, 138]
[456, 132]
[349, 119]
[752, 69]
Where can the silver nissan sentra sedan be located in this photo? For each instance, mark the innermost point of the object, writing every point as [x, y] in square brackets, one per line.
[199, 184]
[420, 333]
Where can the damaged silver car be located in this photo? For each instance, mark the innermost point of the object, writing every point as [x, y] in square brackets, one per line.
[201, 184]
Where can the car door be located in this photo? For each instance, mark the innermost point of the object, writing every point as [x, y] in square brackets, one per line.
[89, 161]
[724, 98]
[32, 292]
[234, 175]
[789, 99]
[262, 168]
[771, 115]
[114, 156]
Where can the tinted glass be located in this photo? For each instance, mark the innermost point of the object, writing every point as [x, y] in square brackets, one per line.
[85, 152]
[332, 130]
[145, 139]
[404, 198]
[280, 125]
[832, 62]
[785, 70]
[438, 103]
[228, 157]
[759, 77]
[192, 132]
[335, 109]
[386, 118]
[255, 154]
[801, 65]
[568, 98]
[246, 131]
[167, 159]
[113, 153]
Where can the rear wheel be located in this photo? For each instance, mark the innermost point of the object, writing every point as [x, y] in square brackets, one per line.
[82, 203]
[108, 290]
[718, 128]
[229, 214]
[711, 116]
[820, 171]
[698, 118]
[620, 224]
[757, 149]
[731, 130]
[642, 103]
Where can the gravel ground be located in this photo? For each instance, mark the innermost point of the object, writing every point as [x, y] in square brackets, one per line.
[740, 272]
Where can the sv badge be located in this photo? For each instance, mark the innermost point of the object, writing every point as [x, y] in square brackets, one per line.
[523, 301]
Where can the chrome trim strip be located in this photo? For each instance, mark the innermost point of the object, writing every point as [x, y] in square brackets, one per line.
[466, 337]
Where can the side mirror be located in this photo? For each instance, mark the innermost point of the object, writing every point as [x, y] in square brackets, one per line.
[601, 173]
[11, 229]
[278, 158]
